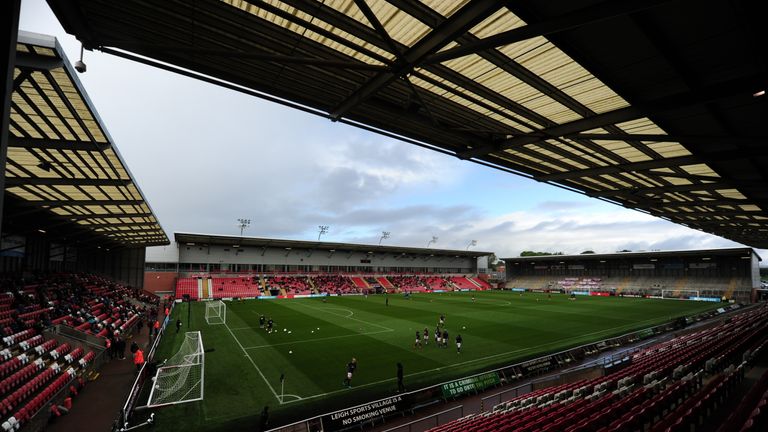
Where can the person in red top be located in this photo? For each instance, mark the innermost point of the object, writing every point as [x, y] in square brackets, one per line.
[157, 327]
[138, 358]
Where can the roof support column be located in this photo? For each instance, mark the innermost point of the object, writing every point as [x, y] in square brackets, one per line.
[9, 11]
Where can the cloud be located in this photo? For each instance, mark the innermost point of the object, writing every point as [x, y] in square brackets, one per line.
[557, 206]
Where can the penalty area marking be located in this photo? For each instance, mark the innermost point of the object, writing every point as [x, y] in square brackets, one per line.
[479, 300]
[316, 339]
[279, 399]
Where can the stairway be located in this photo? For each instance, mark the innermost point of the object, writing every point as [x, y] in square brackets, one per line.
[623, 285]
[206, 288]
[731, 288]
[680, 285]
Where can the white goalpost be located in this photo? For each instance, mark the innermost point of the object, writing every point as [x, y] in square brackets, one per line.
[215, 312]
[677, 294]
[180, 378]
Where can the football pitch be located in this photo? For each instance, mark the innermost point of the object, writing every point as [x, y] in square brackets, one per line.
[314, 340]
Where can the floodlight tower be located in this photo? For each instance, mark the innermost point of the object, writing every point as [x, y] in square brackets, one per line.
[434, 240]
[384, 236]
[322, 229]
[471, 243]
[243, 224]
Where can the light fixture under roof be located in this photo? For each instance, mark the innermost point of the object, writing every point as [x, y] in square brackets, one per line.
[758, 93]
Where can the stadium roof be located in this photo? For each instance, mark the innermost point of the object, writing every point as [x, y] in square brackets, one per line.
[655, 105]
[61, 160]
[737, 251]
[208, 239]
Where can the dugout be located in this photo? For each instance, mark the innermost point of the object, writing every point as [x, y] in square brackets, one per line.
[69, 201]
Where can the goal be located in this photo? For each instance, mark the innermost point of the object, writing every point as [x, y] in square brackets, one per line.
[679, 294]
[180, 378]
[215, 312]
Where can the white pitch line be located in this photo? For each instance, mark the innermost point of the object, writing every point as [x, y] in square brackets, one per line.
[254, 364]
[471, 361]
[317, 339]
[479, 300]
[347, 317]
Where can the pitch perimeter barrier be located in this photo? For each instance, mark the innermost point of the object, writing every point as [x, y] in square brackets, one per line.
[133, 396]
[507, 375]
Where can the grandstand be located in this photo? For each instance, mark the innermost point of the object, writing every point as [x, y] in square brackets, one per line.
[215, 266]
[75, 226]
[712, 273]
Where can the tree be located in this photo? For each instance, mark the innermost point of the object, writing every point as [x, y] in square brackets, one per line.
[624, 250]
[532, 253]
[493, 262]
[588, 252]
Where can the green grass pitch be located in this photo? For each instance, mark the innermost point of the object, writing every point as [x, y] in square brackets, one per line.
[242, 373]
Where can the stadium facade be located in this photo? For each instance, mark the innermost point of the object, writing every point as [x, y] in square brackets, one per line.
[733, 273]
[193, 254]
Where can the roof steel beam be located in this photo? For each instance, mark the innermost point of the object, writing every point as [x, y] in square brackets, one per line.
[252, 54]
[602, 11]
[660, 190]
[47, 181]
[56, 144]
[52, 203]
[458, 24]
[628, 167]
[106, 216]
[713, 203]
[37, 61]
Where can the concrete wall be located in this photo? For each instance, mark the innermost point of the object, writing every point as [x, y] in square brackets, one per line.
[158, 282]
[278, 258]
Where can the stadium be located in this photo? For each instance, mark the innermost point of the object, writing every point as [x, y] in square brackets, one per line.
[110, 322]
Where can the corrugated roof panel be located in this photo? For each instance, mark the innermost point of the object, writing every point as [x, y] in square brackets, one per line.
[501, 21]
[668, 149]
[614, 179]
[700, 169]
[400, 26]
[268, 16]
[640, 126]
[445, 8]
[731, 193]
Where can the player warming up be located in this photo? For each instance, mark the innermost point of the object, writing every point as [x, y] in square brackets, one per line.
[426, 336]
[417, 344]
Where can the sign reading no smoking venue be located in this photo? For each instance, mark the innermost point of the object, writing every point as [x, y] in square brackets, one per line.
[355, 415]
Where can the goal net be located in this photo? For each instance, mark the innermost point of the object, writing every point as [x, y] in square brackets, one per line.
[679, 294]
[215, 312]
[180, 379]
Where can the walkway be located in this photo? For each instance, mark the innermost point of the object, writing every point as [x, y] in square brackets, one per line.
[99, 403]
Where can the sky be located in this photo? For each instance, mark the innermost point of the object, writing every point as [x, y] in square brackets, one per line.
[205, 156]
